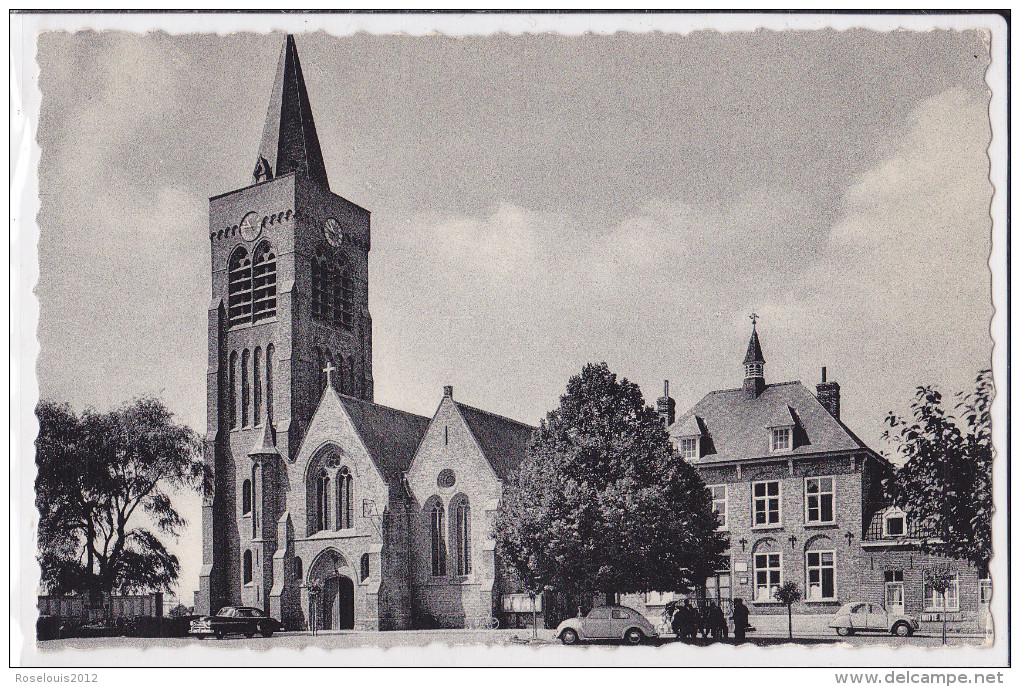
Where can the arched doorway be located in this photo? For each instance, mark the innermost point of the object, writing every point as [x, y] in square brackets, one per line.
[337, 606]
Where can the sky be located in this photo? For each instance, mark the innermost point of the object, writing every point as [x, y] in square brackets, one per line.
[538, 202]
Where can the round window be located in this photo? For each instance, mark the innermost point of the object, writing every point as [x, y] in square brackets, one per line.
[446, 478]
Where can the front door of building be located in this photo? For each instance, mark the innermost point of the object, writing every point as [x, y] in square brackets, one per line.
[337, 603]
[894, 598]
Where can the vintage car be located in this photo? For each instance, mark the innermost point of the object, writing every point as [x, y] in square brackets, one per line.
[607, 622]
[235, 620]
[862, 616]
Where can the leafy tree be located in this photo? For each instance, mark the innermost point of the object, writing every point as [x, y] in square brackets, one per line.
[788, 594]
[940, 578]
[98, 473]
[602, 502]
[946, 482]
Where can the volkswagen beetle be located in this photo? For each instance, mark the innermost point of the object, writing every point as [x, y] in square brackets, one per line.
[607, 622]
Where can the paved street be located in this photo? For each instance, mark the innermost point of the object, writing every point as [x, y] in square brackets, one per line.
[332, 640]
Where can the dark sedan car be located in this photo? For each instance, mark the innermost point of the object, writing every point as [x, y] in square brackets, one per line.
[235, 620]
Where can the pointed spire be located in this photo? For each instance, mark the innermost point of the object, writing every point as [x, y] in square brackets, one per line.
[289, 140]
[754, 354]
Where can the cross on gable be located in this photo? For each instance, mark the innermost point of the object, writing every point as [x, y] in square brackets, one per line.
[329, 369]
[754, 319]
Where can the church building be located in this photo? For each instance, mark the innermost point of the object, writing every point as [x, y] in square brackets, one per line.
[329, 510]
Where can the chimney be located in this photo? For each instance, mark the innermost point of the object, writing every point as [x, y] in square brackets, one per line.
[828, 395]
[666, 407]
[448, 392]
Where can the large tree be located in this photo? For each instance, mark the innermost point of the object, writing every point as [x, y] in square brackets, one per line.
[104, 493]
[946, 482]
[602, 502]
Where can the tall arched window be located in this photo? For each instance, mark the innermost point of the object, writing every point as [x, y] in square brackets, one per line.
[320, 285]
[299, 569]
[365, 567]
[320, 364]
[248, 576]
[246, 497]
[438, 540]
[256, 474]
[350, 376]
[463, 538]
[322, 497]
[256, 378]
[239, 288]
[264, 282]
[245, 388]
[346, 304]
[269, 382]
[344, 505]
[232, 392]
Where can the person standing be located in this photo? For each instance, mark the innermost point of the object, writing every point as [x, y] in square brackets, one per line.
[740, 620]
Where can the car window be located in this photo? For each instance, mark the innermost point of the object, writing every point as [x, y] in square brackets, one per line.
[620, 615]
[244, 612]
[256, 613]
[226, 612]
[859, 608]
[599, 613]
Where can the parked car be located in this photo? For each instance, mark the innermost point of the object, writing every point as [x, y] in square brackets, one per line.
[862, 616]
[235, 620]
[607, 622]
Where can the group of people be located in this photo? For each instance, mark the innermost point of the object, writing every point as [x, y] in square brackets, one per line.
[687, 621]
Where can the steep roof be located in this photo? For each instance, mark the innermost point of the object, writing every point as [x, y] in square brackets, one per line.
[289, 140]
[737, 424]
[502, 440]
[391, 436]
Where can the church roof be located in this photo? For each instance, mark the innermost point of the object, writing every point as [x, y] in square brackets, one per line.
[754, 354]
[391, 436]
[289, 140]
[737, 425]
[502, 440]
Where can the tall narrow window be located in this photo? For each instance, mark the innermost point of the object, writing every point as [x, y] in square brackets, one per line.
[463, 538]
[232, 391]
[239, 287]
[245, 388]
[322, 497]
[719, 494]
[269, 382]
[256, 379]
[322, 287]
[347, 303]
[246, 497]
[316, 289]
[255, 514]
[365, 567]
[766, 501]
[438, 542]
[263, 282]
[299, 569]
[248, 576]
[344, 507]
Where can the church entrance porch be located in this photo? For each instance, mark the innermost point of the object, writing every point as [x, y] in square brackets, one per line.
[330, 601]
[337, 605]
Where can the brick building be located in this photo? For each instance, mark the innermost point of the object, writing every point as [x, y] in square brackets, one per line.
[328, 507]
[800, 498]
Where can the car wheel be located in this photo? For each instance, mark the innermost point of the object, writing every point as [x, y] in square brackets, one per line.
[634, 636]
[267, 631]
[902, 629]
[844, 631]
[569, 637]
[249, 634]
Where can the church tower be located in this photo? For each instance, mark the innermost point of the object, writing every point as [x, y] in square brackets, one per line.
[289, 299]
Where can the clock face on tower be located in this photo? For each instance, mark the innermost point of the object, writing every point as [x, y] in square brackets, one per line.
[249, 227]
[333, 233]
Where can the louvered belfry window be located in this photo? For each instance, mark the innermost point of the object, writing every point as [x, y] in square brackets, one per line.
[252, 289]
[332, 293]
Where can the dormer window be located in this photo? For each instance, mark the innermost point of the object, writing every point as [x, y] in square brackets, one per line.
[782, 438]
[690, 448]
[894, 524]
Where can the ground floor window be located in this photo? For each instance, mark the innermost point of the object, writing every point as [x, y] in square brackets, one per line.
[933, 600]
[821, 575]
[719, 587]
[894, 600]
[768, 575]
[985, 591]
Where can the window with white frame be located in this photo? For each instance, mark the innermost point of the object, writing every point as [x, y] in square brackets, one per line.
[821, 575]
[719, 494]
[689, 448]
[819, 499]
[766, 503]
[894, 524]
[782, 438]
[933, 600]
[768, 575]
